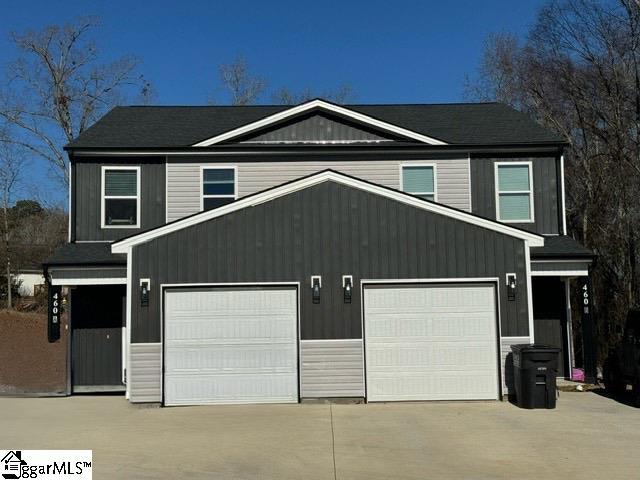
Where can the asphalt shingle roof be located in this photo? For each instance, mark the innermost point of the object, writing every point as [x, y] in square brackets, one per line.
[182, 126]
[561, 246]
[85, 254]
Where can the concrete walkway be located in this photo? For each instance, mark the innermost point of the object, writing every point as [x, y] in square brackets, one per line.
[587, 436]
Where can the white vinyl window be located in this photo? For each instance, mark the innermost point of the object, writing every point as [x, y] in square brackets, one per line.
[514, 192]
[120, 197]
[420, 180]
[218, 187]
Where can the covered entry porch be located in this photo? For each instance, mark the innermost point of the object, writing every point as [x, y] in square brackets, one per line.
[560, 274]
[92, 282]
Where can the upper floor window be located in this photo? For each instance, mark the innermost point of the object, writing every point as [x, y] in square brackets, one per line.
[218, 186]
[419, 180]
[514, 192]
[120, 197]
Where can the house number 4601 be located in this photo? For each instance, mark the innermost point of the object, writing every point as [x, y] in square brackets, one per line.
[585, 297]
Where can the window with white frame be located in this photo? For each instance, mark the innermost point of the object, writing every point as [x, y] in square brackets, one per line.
[514, 192]
[419, 180]
[218, 187]
[120, 197]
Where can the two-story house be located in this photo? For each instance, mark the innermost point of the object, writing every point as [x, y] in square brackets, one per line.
[271, 253]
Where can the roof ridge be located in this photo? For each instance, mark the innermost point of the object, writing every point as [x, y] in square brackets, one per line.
[346, 105]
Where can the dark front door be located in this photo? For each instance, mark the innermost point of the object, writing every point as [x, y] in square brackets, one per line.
[96, 349]
[550, 317]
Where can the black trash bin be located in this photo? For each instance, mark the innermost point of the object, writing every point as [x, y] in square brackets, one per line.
[535, 368]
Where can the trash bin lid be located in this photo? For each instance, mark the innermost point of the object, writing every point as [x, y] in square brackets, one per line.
[535, 347]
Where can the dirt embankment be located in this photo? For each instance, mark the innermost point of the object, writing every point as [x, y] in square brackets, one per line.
[29, 364]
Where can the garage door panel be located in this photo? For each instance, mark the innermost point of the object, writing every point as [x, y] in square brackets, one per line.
[225, 389]
[230, 346]
[431, 342]
[417, 386]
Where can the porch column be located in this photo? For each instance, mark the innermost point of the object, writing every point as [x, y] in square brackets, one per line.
[589, 343]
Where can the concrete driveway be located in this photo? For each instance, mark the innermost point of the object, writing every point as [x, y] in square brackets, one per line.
[587, 436]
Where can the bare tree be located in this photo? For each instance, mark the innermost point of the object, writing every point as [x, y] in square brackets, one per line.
[286, 96]
[12, 163]
[578, 73]
[245, 87]
[57, 88]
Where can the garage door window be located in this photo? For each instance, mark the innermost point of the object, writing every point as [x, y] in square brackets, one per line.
[514, 192]
[120, 197]
[420, 180]
[218, 187]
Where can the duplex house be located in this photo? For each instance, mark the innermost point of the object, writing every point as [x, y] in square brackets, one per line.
[239, 254]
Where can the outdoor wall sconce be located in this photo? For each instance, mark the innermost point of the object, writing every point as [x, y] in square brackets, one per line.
[512, 286]
[347, 285]
[316, 285]
[145, 286]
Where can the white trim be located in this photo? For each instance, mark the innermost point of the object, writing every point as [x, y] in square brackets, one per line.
[562, 195]
[147, 281]
[166, 189]
[469, 178]
[93, 241]
[345, 277]
[69, 201]
[496, 167]
[321, 105]
[431, 280]
[218, 167]
[517, 337]
[88, 281]
[313, 277]
[560, 273]
[433, 166]
[164, 286]
[116, 197]
[128, 321]
[510, 274]
[122, 246]
[562, 260]
[527, 272]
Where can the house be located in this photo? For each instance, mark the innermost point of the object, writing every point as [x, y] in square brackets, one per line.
[249, 254]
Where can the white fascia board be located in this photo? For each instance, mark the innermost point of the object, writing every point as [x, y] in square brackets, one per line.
[122, 246]
[326, 106]
[560, 273]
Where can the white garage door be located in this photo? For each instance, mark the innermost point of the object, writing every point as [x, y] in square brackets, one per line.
[436, 342]
[230, 346]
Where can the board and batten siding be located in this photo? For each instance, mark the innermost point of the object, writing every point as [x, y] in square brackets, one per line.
[145, 372]
[184, 189]
[331, 368]
[87, 197]
[329, 230]
[545, 191]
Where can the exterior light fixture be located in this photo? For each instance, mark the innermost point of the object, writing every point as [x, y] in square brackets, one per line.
[347, 286]
[316, 285]
[512, 286]
[145, 286]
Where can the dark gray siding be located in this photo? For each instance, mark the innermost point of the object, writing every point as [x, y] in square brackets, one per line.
[329, 230]
[551, 266]
[78, 272]
[318, 127]
[545, 191]
[87, 197]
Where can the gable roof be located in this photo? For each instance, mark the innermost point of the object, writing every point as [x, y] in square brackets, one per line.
[122, 246]
[321, 105]
[182, 127]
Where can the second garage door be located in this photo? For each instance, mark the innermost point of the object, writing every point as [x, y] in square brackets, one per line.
[230, 346]
[431, 342]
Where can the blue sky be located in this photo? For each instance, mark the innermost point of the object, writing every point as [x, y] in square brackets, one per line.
[416, 52]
